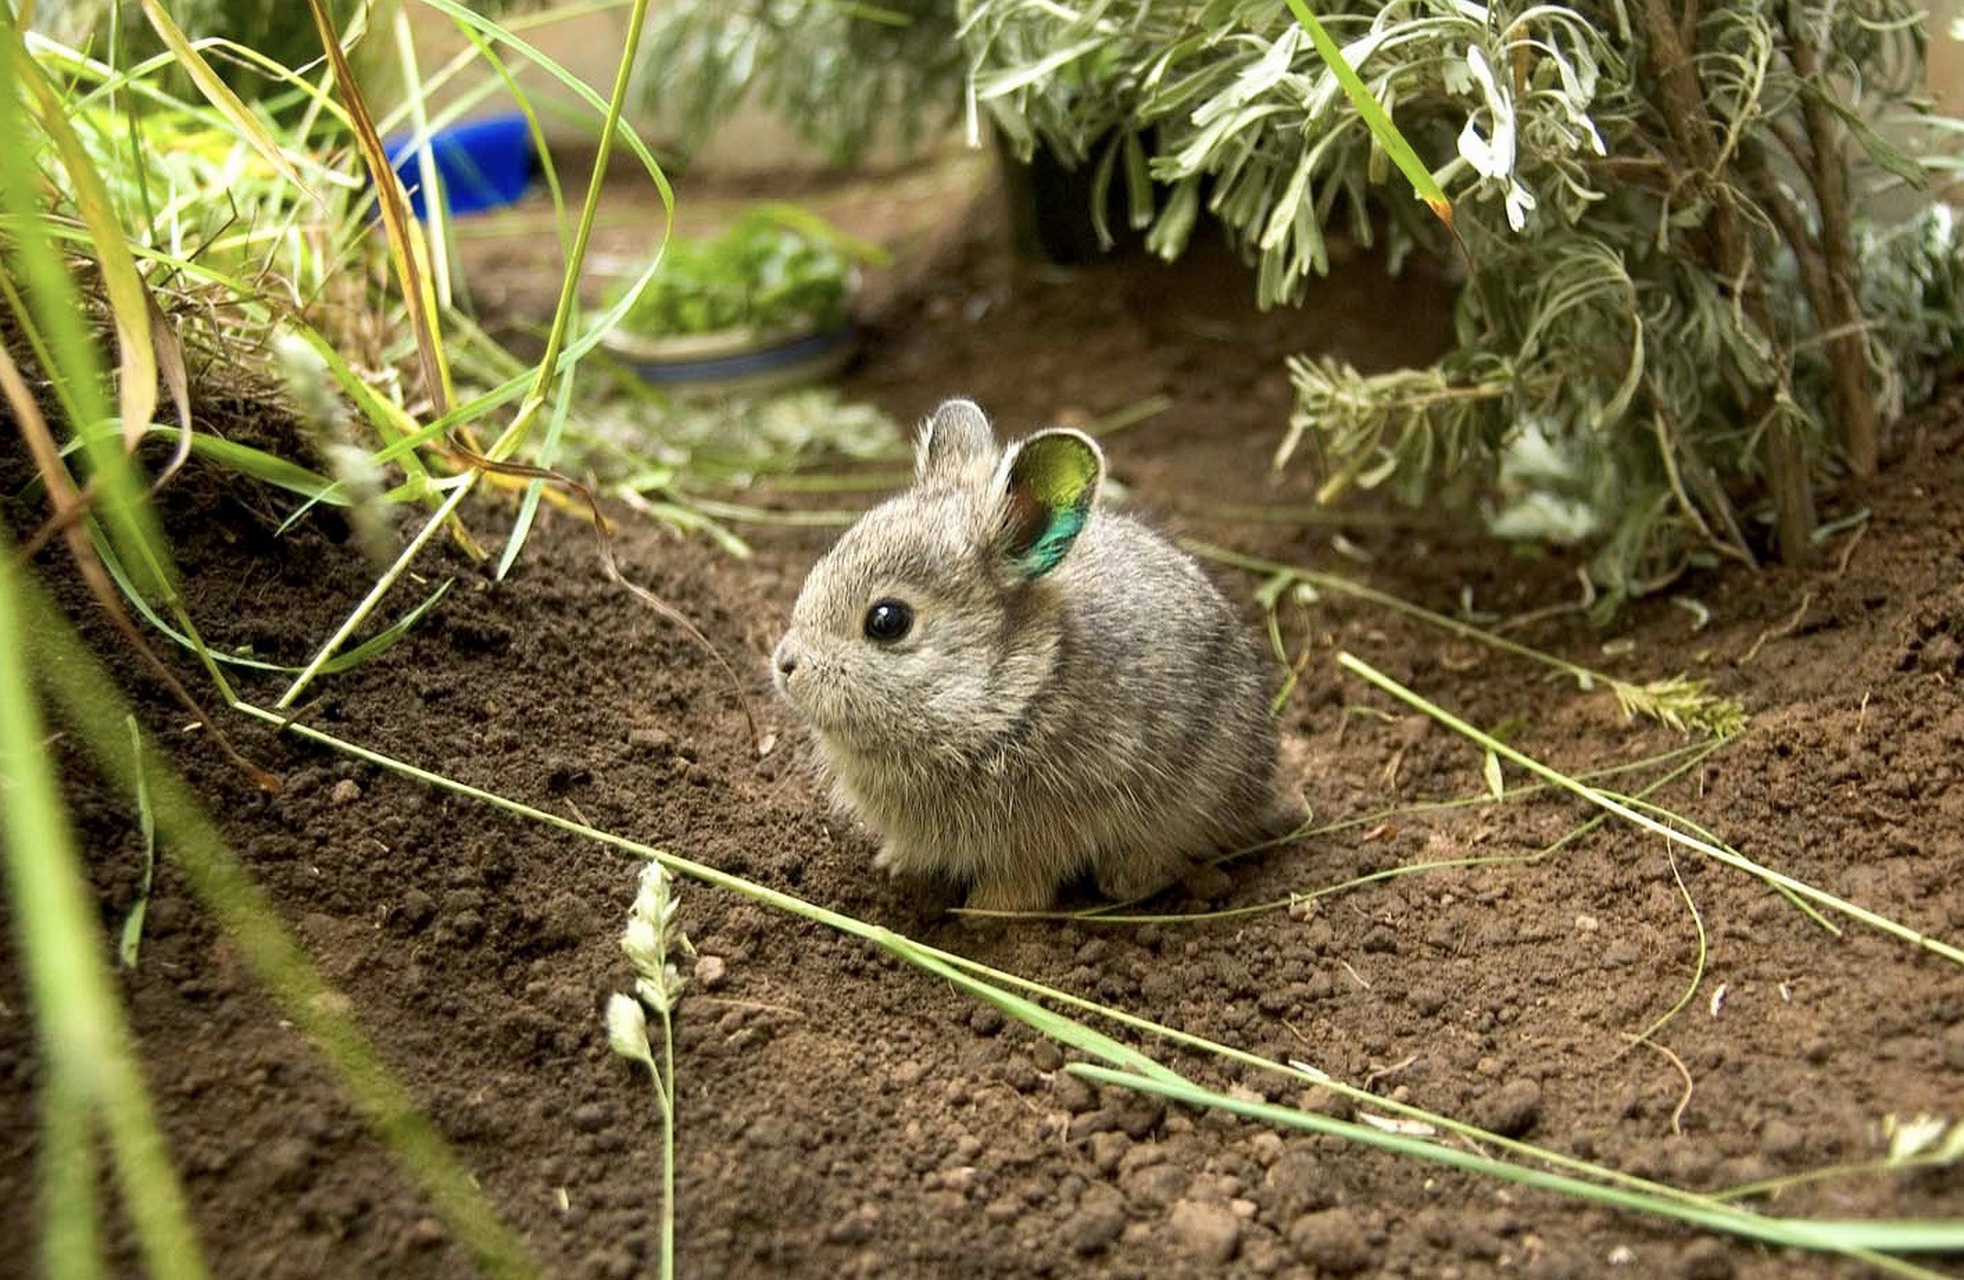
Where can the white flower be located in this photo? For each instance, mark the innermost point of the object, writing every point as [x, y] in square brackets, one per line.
[652, 899]
[1520, 203]
[1490, 157]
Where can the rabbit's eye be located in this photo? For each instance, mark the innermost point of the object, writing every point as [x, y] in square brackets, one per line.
[888, 621]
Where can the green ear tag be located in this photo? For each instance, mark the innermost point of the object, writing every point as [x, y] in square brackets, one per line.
[1053, 480]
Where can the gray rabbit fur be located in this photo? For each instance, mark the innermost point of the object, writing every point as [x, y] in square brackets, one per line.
[1013, 686]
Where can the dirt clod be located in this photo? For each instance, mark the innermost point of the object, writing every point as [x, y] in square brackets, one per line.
[1705, 1260]
[1512, 1109]
[1097, 1221]
[1208, 1233]
[1331, 1240]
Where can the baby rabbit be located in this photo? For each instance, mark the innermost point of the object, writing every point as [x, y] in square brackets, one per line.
[1012, 686]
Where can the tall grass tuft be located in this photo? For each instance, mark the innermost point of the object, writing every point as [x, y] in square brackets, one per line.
[190, 207]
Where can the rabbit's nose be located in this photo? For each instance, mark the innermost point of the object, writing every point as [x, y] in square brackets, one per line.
[786, 658]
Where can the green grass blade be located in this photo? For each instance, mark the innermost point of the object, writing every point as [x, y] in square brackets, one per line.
[146, 827]
[85, 1043]
[129, 298]
[390, 422]
[406, 245]
[1855, 1239]
[257, 464]
[240, 117]
[395, 631]
[71, 1243]
[528, 506]
[56, 309]
[568, 307]
[1044, 1021]
[1374, 116]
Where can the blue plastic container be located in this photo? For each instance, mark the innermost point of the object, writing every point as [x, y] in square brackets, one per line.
[480, 164]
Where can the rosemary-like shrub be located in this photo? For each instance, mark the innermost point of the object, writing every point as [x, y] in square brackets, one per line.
[1681, 314]
[1680, 311]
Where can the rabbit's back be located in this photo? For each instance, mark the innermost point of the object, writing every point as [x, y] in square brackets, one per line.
[1173, 694]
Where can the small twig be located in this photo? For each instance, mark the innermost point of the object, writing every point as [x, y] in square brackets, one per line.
[1782, 631]
[1684, 1099]
[1848, 551]
[1376, 1074]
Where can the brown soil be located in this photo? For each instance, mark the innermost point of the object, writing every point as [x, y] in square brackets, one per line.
[844, 1114]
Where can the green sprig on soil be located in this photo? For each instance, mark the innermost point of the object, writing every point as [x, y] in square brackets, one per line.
[652, 940]
[1681, 702]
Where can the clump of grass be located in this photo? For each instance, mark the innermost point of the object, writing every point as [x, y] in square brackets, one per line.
[652, 940]
[186, 227]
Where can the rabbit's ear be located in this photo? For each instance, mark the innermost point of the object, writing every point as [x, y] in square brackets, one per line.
[1048, 484]
[957, 435]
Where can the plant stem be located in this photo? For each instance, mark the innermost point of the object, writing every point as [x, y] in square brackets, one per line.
[666, 1084]
[1783, 455]
[1846, 1238]
[1841, 313]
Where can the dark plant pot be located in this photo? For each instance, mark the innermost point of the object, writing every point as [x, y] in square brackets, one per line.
[736, 360]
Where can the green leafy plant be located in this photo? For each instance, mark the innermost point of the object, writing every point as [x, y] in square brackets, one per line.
[1680, 313]
[776, 268]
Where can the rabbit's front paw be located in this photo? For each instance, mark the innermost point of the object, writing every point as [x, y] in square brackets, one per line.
[897, 860]
[1009, 893]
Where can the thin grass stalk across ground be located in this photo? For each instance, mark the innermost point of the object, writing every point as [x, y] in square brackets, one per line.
[1716, 852]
